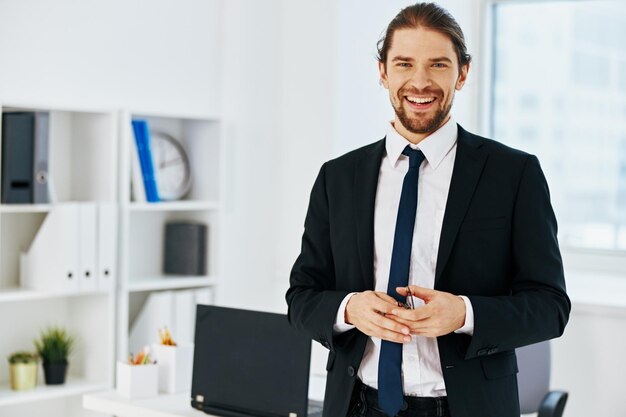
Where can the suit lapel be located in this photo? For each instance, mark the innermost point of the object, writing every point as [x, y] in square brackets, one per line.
[365, 185]
[468, 165]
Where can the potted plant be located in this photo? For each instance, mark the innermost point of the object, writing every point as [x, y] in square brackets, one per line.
[54, 347]
[23, 370]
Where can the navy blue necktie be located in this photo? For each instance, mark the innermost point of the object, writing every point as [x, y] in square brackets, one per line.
[390, 361]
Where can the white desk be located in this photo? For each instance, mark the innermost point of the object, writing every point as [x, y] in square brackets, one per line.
[174, 405]
[110, 402]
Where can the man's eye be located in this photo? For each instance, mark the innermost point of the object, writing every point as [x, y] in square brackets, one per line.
[439, 65]
[404, 64]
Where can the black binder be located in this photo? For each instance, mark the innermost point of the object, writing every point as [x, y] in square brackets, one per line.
[18, 132]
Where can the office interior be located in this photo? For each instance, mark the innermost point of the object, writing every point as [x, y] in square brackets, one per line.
[279, 87]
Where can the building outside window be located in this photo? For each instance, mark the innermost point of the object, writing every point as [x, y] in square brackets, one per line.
[558, 90]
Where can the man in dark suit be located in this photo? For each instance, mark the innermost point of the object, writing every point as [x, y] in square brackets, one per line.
[430, 255]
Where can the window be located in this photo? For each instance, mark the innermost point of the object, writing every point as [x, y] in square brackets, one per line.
[559, 91]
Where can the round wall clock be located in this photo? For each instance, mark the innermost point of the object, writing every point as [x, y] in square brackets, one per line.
[172, 170]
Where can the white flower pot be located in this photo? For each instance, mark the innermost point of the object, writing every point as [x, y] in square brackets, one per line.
[137, 381]
[175, 367]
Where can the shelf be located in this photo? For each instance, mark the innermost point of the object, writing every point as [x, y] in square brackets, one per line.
[25, 208]
[73, 386]
[174, 206]
[169, 282]
[26, 294]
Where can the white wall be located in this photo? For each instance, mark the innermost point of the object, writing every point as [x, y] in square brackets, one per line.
[251, 62]
[588, 361]
[155, 56]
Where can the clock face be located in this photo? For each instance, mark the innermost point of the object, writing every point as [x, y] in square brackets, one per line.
[171, 166]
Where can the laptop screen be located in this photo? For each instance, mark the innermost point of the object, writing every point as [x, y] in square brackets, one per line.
[249, 362]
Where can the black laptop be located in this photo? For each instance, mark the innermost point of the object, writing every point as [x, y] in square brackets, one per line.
[250, 364]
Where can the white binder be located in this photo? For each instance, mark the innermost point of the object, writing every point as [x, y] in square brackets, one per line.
[157, 312]
[184, 320]
[51, 262]
[88, 233]
[107, 246]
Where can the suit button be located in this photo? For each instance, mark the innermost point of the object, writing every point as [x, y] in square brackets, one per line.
[482, 352]
[351, 371]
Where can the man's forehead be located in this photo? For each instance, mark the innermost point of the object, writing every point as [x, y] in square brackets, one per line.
[420, 42]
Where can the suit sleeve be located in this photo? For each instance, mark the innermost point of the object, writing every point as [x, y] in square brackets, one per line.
[312, 299]
[538, 307]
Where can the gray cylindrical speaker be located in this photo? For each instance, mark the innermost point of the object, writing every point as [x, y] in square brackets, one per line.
[185, 248]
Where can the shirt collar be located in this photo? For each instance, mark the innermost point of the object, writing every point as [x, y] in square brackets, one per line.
[435, 146]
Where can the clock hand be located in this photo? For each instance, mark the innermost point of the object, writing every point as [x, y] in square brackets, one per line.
[165, 164]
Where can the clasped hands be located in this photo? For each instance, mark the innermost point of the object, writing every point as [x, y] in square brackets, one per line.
[377, 314]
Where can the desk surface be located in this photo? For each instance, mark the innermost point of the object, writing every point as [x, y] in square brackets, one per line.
[110, 402]
[164, 405]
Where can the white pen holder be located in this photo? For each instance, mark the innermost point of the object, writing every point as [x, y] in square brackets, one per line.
[137, 381]
[175, 367]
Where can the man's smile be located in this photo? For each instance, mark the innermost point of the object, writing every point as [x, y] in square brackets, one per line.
[420, 103]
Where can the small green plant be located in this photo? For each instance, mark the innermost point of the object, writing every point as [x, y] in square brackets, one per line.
[23, 357]
[55, 345]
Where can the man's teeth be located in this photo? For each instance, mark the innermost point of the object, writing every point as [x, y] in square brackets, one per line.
[420, 100]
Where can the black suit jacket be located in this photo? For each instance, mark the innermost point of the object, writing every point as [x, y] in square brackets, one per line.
[498, 246]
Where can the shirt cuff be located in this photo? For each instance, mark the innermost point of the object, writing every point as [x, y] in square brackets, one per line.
[468, 327]
[340, 325]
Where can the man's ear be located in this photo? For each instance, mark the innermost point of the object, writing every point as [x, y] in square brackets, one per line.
[383, 75]
[460, 82]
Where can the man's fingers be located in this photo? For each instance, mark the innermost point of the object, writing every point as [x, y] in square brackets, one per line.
[419, 313]
[419, 292]
[424, 327]
[384, 303]
[394, 337]
[386, 297]
[389, 324]
[367, 312]
[377, 328]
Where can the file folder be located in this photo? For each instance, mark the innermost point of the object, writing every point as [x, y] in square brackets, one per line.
[157, 311]
[107, 246]
[87, 244]
[137, 185]
[40, 158]
[144, 150]
[17, 157]
[51, 262]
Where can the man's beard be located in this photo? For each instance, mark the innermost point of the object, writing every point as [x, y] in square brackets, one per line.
[420, 126]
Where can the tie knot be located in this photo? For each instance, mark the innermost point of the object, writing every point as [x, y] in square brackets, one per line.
[416, 157]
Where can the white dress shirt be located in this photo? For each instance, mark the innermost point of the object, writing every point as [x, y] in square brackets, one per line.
[421, 367]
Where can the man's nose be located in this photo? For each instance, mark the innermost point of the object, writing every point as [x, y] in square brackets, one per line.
[420, 78]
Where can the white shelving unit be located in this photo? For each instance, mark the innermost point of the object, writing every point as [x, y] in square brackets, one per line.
[143, 223]
[90, 161]
[83, 167]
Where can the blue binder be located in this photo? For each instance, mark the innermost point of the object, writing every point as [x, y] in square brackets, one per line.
[142, 140]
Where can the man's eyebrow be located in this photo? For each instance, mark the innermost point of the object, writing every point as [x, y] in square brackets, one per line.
[441, 59]
[401, 58]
